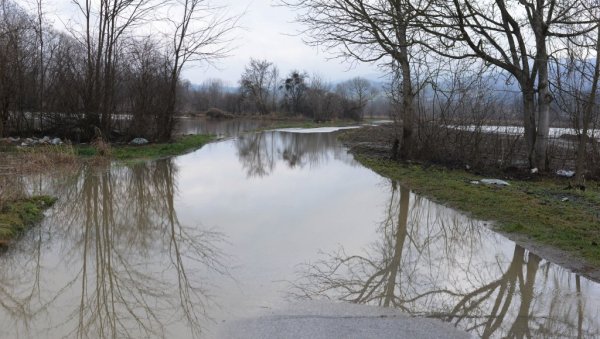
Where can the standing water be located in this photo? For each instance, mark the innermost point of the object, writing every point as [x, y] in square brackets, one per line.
[178, 247]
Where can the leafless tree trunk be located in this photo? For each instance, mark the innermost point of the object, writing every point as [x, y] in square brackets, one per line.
[498, 32]
[576, 87]
[588, 112]
[274, 87]
[295, 88]
[359, 91]
[41, 61]
[112, 20]
[369, 32]
[200, 35]
[255, 83]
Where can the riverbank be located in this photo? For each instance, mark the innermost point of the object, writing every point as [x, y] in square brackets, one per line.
[180, 145]
[541, 213]
[16, 216]
[18, 212]
[20, 159]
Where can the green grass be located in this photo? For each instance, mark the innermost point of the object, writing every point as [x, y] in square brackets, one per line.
[179, 146]
[531, 208]
[18, 215]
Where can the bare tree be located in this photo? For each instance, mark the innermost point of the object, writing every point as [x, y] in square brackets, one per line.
[369, 31]
[256, 83]
[105, 25]
[295, 87]
[146, 79]
[18, 43]
[105, 68]
[501, 33]
[275, 81]
[359, 91]
[575, 87]
[215, 89]
[318, 97]
[201, 35]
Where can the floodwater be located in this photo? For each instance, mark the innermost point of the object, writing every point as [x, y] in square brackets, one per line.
[219, 128]
[178, 247]
[554, 132]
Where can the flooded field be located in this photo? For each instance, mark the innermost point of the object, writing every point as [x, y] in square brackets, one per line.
[179, 247]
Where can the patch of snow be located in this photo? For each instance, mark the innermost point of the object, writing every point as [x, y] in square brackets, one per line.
[555, 132]
[313, 130]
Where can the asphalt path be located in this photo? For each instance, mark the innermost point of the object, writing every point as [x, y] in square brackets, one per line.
[318, 320]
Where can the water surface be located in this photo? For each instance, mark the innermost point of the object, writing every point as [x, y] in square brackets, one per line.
[178, 247]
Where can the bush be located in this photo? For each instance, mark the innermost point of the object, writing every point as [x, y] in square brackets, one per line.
[215, 113]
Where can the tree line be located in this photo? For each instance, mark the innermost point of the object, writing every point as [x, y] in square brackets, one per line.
[262, 90]
[114, 72]
[545, 49]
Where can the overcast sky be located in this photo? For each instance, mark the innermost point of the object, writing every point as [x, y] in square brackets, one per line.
[268, 33]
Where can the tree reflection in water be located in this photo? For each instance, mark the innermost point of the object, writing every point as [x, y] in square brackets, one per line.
[126, 267]
[259, 152]
[432, 262]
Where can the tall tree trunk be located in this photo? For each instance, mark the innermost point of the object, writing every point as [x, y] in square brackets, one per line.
[544, 96]
[165, 122]
[544, 99]
[529, 120]
[42, 66]
[2, 124]
[406, 148]
[588, 109]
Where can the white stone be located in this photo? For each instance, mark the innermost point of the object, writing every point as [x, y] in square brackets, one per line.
[565, 173]
[139, 141]
[496, 182]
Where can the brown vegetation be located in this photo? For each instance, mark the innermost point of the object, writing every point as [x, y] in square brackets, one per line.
[102, 74]
[215, 113]
[479, 151]
[47, 158]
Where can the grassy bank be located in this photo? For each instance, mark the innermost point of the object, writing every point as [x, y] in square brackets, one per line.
[543, 209]
[40, 158]
[18, 215]
[179, 146]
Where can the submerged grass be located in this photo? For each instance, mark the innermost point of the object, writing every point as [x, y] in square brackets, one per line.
[179, 146]
[543, 210]
[18, 215]
[43, 158]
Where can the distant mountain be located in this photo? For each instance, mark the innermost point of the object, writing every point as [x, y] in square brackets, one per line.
[227, 89]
